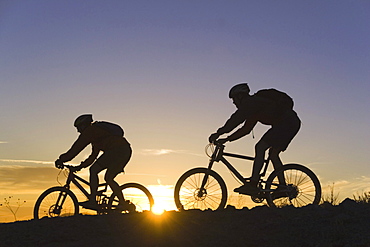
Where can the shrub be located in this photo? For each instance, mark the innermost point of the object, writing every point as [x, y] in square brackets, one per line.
[13, 209]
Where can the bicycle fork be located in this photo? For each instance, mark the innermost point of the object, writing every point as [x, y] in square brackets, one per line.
[202, 190]
[59, 203]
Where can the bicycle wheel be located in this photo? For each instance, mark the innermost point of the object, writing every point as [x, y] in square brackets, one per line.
[56, 202]
[137, 194]
[189, 195]
[301, 188]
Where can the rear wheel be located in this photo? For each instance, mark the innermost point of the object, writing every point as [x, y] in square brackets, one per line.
[190, 195]
[56, 202]
[137, 194]
[301, 187]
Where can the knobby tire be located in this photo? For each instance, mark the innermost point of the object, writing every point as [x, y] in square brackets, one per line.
[303, 183]
[137, 194]
[56, 202]
[187, 190]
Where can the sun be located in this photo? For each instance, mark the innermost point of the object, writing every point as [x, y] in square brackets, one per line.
[158, 209]
[163, 198]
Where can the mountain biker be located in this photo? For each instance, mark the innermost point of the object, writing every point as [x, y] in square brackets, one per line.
[116, 154]
[252, 109]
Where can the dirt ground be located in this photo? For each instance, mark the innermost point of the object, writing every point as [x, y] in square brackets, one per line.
[347, 224]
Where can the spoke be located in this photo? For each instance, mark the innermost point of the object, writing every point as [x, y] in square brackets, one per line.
[211, 198]
[307, 188]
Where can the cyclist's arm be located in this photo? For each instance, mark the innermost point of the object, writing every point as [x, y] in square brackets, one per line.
[81, 142]
[94, 154]
[236, 118]
[243, 131]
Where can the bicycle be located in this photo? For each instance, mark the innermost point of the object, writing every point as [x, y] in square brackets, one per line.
[203, 188]
[60, 201]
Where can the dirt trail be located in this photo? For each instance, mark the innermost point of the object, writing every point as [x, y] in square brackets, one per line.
[345, 225]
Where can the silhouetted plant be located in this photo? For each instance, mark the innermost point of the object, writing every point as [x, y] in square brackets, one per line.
[364, 198]
[331, 198]
[13, 209]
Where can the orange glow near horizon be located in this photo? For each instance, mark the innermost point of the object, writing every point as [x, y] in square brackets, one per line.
[158, 209]
[163, 198]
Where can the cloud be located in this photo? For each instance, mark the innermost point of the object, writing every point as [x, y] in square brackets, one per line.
[28, 179]
[2, 142]
[24, 162]
[349, 188]
[145, 174]
[157, 152]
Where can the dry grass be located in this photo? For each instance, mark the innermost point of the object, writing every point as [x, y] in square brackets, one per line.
[364, 198]
[331, 198]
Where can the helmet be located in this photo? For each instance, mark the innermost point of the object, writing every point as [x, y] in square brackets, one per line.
[83, 119]
[241, 88]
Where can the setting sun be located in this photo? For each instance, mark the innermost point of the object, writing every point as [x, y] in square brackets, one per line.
[163, 198]
[158, 209]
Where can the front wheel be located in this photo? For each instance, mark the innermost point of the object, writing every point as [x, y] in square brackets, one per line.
[190, 195]
[300, 188]
[56, 202]
[137, 194]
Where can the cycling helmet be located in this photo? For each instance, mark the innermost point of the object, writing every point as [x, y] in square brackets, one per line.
[83, 119]
[238, 89]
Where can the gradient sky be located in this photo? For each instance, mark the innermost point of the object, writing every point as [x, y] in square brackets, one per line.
[162, 70]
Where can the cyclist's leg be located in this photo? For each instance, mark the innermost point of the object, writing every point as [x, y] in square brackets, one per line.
[277, 163]
[95, 169]
[260, 150]
[280, 137]
[251, 187]
[119, 159]
[109, 178]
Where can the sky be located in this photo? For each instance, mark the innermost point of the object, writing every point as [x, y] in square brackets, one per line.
[163, 69]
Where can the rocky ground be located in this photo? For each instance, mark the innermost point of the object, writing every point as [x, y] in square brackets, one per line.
[347, 224]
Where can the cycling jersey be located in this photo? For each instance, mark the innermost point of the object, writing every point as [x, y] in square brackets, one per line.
[99, 138]
[254, 109]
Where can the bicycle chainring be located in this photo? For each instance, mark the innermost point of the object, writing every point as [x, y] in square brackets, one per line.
[258, 198]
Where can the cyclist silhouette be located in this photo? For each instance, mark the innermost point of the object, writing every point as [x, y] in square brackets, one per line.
[106, 137]
[251, 109]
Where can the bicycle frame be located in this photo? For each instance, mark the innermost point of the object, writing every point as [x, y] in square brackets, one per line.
[218, 155]
[62, 201]
[74, 179]
[203, 188]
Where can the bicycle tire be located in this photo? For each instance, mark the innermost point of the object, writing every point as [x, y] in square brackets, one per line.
[187, 190]
[302, 183]
[56, 202]
[137, 194]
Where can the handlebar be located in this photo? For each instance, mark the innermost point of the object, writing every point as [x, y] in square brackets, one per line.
[213, 147]
[61, 165]
[218, 143]
[68, 166]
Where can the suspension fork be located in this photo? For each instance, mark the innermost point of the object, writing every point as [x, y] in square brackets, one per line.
[205, 178]
[60, 202]
[63, 195]
[216, 157]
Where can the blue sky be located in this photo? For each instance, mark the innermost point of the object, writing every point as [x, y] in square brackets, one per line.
[162, 69]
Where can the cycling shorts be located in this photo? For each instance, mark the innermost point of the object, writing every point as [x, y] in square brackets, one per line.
[115, 160]
[281, 134]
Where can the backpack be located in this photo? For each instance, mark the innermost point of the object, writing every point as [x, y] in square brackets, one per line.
[282, 99]
[113, 129]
